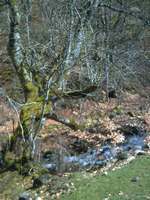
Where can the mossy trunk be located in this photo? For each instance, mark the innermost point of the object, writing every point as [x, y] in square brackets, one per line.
[22, 142]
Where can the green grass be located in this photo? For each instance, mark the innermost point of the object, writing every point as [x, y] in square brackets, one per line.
[117, 185]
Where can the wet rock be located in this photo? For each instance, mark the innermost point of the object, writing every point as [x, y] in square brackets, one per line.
[122, 155]
[136, 142]
[51, 167]
[101, 163]
[131, 130]
[25, 196]
[48, 155]
[147, 146]
[79, 146]
[90, 158]
[107, 153]
[139, 152]
[71, 159]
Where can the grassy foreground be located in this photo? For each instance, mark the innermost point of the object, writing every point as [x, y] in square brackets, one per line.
[132, 182]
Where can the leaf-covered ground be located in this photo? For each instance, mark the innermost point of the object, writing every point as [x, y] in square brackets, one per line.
[104, 120]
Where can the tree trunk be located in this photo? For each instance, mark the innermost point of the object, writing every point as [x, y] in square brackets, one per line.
[23, 140]
[20, 142]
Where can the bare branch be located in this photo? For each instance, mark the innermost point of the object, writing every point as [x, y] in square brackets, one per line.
[127, 12]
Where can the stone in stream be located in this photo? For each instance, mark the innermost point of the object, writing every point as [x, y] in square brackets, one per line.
[107, 153]
[50, 166]
[122, 155]
[24, 196]
[48, 155]
[136, 142]
[139, 152]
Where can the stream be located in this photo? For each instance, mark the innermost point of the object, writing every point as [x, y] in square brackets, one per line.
[133, 145]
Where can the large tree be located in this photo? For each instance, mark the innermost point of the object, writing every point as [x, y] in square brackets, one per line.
[40, 87]
[47, 40]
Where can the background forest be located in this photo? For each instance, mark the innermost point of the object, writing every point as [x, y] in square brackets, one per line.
[74, 82]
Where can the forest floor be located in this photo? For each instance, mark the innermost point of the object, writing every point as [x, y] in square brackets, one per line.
[106, 122]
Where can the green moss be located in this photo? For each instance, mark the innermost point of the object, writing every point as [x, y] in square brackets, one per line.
[37, 170]
[15, 161]
[9, 159]
[28, 111]
[82, 126]
[75, 125]
[33, 109]
[23, 165]
[114, 19]
[31, 92]
[7, 73]
[53, 127]
[31, 168]
[118, 110]
[13, 2]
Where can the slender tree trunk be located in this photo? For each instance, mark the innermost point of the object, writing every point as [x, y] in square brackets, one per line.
[106, 55]
[22, 140]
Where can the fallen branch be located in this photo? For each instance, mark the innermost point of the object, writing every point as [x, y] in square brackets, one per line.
[70, 122]
[74, 94]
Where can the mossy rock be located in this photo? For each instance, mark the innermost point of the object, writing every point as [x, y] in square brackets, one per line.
[122, 155]
[33, 169]
[41, 180]
[74, 125]
[9, 160]
[118, 110]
